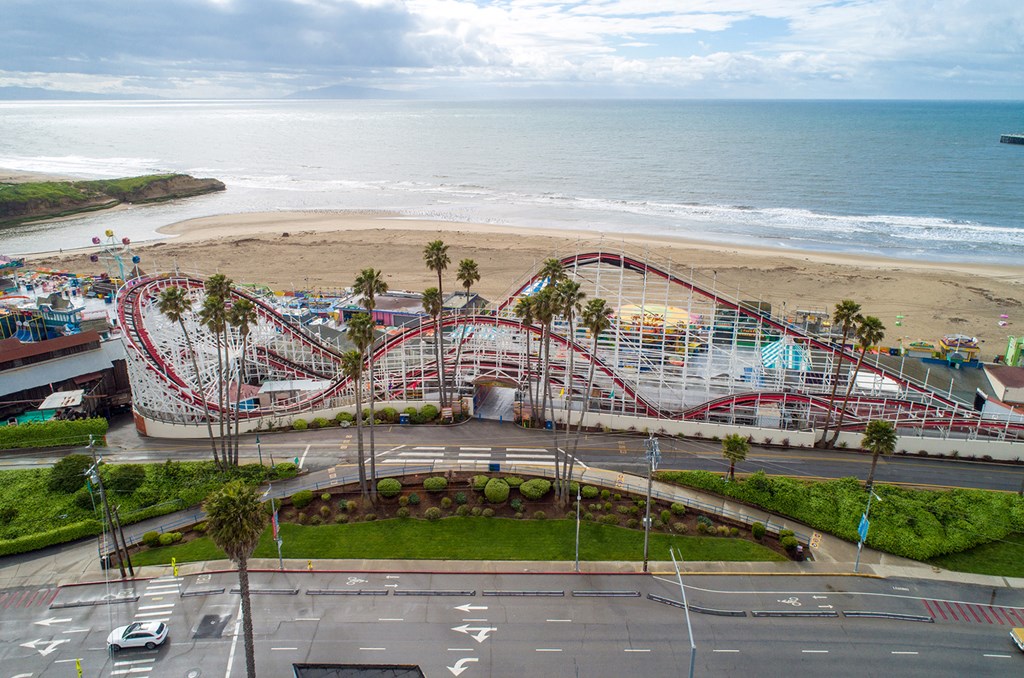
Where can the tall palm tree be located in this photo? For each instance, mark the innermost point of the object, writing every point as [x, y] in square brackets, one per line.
[242, 317]
[174, 303]
[734, 448]
[870, 331]
[352, 367]
[235, 518]
[468, 274]
[596, 318]
[360, 333]
[219, 287]
[569, 298]
[879, 438]
[524, 311]
[369, 284]
[432, 304]
[435, 255]
[846, 315]
[545, 308]
[214, 316]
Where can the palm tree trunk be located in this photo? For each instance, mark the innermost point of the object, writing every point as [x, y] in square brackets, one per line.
[529, 374]
[846, 398]
[835, 387]
[442, 376]
[373, 425]
[568, 382]
[359, 435]
[243, 586]
[458, 354]
[220, 399]
[871, 473]
[439, 360]
[583, 412]
[202, 394]
[732, 471]
[238, 398]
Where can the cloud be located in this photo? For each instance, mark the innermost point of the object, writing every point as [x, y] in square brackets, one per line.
[692, 48]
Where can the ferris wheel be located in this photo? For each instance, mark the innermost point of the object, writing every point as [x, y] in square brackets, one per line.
[114, 255]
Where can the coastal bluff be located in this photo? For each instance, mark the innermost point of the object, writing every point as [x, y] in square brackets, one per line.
[32, 201]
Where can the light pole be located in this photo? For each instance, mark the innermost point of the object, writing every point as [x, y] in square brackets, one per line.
[259, 449]
[93, 474]
[653, 457]
[686, 609]
[862, 529]
[578, 501]
[274, 525]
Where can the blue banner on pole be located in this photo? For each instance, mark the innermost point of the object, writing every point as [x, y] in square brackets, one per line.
[862, 529]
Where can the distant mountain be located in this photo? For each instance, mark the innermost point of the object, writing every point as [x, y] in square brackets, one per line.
[349, 92]
[37, 93]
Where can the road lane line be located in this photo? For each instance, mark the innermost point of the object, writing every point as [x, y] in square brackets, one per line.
[481, 455]
[234, 643]
[725, 650]
[902, 652]
[416, 452]
[474, 620]
[390, 619]
[150, 614]
[429, 447]
[558, 620]
[997, 656]
[526, 449]
[374, 649]
[515, 455]
[814, 651]
[284, 648]
[156, 607]
[475, 449]
[307, 619]
[549, 649]
[460, 649]
[129, 662]
[630, 649]
[303, 459]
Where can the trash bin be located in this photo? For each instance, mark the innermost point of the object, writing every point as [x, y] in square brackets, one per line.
[105, 563]
[403, 418]
[549, 424]
[894, 351]
[494, 468]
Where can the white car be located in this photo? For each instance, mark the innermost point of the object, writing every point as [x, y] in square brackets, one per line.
[139, 634]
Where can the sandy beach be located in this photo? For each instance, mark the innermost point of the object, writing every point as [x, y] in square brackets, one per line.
[326, 250]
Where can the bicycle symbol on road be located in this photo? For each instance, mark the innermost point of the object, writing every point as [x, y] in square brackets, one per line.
[792, 600]
[352, 581]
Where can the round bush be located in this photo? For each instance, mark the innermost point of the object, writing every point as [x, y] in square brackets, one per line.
[351, 506]
[325, 511]
[435, 484]
[403, 501]
[488, 513]
[370, 517]
[429, 413]
[344, 417]
[476, 511]
[589, 492]
[316, 520]
[301, 518]
[462, 511]
[166, 539]
[789, 542]
[758, 530]
[786, 533]
[341, 518]
[200, 527]
[605, 494]
[284, 471]
[432, 513]
[678, 509]
[414, 499]
[151, 538]
[633, 523]
[320, 422]
[446, 503]
[514, 481]
[540, 515]
[535, 489]
[666, 517]
[516, 504]
[300, 425]
[68, 474]
[403, 512]
[588, 516]
[734, 531]
[302, 499]
[496, 491]
[326, 496]
[679, 528]
[460, 498]
[478, 483]
[389, 487]
[607, 506]
[519, 515]
[388, 414]
[610, 519]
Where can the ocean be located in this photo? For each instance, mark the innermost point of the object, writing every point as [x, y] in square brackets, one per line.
[908, 180]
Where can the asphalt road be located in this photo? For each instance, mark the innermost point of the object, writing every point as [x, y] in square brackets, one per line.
[491, 442]
[501, 625]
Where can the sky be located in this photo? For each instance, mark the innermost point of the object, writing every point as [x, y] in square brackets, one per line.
[794, 49]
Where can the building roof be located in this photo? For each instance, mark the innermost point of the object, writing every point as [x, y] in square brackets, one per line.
[61, 369]
[1008, 376]
[12, 349]
[62, 399]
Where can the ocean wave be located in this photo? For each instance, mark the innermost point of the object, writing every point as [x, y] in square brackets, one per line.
[83, 167]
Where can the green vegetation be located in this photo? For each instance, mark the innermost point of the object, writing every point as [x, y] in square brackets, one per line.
[473, 539]
[918, 524]
[193, 551]
[1004, 558]
[53, 433]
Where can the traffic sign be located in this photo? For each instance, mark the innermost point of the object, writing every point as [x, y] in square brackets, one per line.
[862, 529]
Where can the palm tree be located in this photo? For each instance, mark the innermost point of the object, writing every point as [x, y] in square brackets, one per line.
[545, 308]
[524, 311]
[214, 316]
[219, 287]
[879, 438]
[352, 367]
[242, 317]
[596, 318]
[435, 254]
[432, 305]
[234, 521]
[569, 297]
[360, 333]
[734, 448]
[174, 303]
[870, 331]
[369, 284]
[467, 275]
[846, 315]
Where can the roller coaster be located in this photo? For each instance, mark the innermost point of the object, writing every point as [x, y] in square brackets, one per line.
[678, 348]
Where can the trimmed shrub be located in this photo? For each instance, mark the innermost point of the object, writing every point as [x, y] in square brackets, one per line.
[460, 498]
[432, 513]
[588, 516]
[370, 517]
[165, 539]
[625, 510]
[54, 433]
[605, 494]
[478, 483]
[734, 531]
[68, 474]
[666, 517]
[789, 542]
[414, 499]
[516, 504]
[786, 533]
[320, 422]
[476, 511]
[705, 521]
[151, 538]
[388, 414]
[678, 509]
[351, 506]
[403, 512]
[300, 425]
[487, 513]
[446, 503]
[680, 528]
[301, 518]
[610, 519]
[723, 530]
[540, 515]
[633, 523]
[59, 535]
[535, 489]
[325, 511]
[589, 492]
[607, 506]
[326, 496]
[429, 413]
[496, 491]
[462, 511]
[435, 484]
[302, 499]
[284, 471]
[518, 516]
[389, 487]
[403, 501]
[344, 417]
[341, 518]
[757, 530]
[200, 527]
[123, 478]
[316, 520]
[514, 481]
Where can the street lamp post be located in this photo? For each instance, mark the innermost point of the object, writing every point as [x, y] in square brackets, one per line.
[94, 476]
[579, 499]
[653, 457]
[275, 527]
[259, 450]
[862, 529]
[686, 609]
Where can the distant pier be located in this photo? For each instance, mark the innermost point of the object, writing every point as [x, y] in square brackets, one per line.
[1012, 139]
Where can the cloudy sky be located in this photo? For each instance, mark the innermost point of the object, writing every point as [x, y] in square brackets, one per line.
[949, 49]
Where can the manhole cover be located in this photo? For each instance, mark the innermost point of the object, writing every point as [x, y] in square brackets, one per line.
[193, 673]
[211, 626]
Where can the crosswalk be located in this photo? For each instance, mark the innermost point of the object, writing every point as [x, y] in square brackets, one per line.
[30, 597]
[952, 611]
[427, 454]
[155, 605]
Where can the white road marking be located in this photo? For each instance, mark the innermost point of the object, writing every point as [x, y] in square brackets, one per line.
[374, 649]
[134, 669]
[129, 662]
[152, 587]
[429, 447]
[549, 649]
[997, 656]
[732, 651]
[154, 619]
[156, 607]
[483, 620]
[558, 620]
[631, 649]
[485, 455]
[475, 449]
[234, 643]
[901, 652]
[307, 619]
[156, 595]
[409, 460]
[526, 449]
[528, 456]
[390, 619]
[421, 453]
[814, 651]
[393, 449]
[150, 614]
[303, 459]
[284, 648]
[460, 649]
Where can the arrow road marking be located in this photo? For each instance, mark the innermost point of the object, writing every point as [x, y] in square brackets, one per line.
[393, 576]
[460, 665]
[819, 597]
[53, 620]
[467, 607]
[51, 645]
[479, 633]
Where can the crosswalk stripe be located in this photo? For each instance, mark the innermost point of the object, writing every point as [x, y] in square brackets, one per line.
[529, 456]
[475, 454]
[428, 448]
[475, 449]
[420, 454]
[525, 449]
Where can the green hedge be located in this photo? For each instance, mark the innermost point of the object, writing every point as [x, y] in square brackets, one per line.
[60, 535]
[496, 491]
[53, 433]
[389, 487]
[535, 489]
[918, 524]
[302, 499]
[435, 484]
[479, 482]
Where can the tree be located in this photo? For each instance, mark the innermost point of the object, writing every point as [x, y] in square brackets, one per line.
[870, 331]
[432, 305]
[360, 333]
[734, 448]
[846, 315]
[242, 317]
[234, 521]
[879, 438]
[369, 284]
[467, 275]
[435, 255]
[545, 308]
[524, 311]
[174, 303]
[596, 318]
[352, 367]
[214, 316]
[569, 298]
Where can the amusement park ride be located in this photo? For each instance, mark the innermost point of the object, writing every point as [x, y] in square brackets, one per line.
[677, 350]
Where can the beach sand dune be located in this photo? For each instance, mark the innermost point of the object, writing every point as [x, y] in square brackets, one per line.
[326, 250]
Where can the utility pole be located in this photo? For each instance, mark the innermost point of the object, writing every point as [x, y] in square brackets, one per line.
[653, 456]
[579, 499]
[686, 608]
[862, 529]
[124, 542]
[94, 476]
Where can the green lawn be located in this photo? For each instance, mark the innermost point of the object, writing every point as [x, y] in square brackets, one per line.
[1002, 558]
[473, 539]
